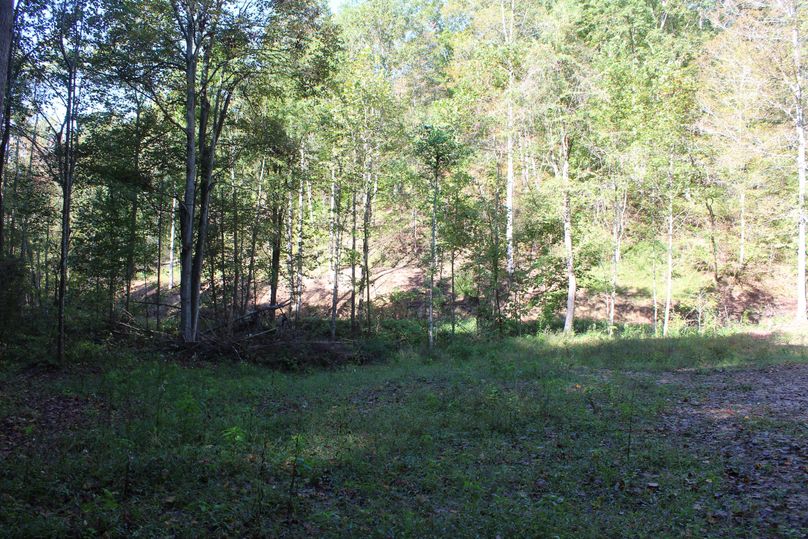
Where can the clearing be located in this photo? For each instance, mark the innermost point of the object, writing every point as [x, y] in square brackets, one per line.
[534, 436]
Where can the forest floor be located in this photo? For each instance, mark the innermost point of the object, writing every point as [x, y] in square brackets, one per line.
[695, 436]
[755, 422]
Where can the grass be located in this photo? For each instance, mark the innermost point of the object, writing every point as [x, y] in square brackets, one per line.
[535, 436]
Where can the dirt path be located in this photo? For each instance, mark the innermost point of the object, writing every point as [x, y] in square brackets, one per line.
[756, 423]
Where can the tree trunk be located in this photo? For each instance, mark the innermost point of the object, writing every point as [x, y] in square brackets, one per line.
[275, 267]
[6, 37]
[208, 161]
[299, 260]
[236, 299]
[799, 118]
[454, 297]
[253, 242]
[711, 214]
[290, 232]
[67, 188]
[669, 269]
[366, 251]
[618, 226]
[159, 257]
[571, 282]
[507, 29]
[742, 246]
[67, 164]
[130, 255]
[187, 207]
[14, 197]
[173, 235]
[353, 259]
[433, 256]
[335, 250]
[654, 271]
[509, 255]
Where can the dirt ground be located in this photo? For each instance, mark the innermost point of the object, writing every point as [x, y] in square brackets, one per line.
[756, 422]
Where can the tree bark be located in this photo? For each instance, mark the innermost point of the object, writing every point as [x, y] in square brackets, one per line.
[335, 250]
[6, 38]
[187, 208]
[172, 236]
[159, 257]
[253, 242]
[353, 259]
[130, 261]
[618, 227]
[742, 246]
[299, 256]
[507, 30]
[290, 232]
[236, 299]
[275, 267]
[669, 269]
[366, 250]
[67, 163]
[571, 282]
[433, 254]
[208, 161]
[801, 316]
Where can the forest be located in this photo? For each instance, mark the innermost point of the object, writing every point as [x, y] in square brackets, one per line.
[403, 268]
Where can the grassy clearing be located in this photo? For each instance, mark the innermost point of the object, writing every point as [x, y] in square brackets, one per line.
[534, 436]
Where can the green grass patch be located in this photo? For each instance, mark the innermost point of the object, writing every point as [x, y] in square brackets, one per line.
[535, 436]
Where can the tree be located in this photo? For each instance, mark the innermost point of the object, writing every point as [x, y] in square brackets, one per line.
[439, 150]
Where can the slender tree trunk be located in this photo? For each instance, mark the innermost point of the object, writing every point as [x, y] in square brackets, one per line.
[7, 13]
[509, 253]
[14, 198]
[618, 227]
[353, 259]
[433, 252]
[222, 265]
[290, 255]
[497, 252]
[299, 259]
[454, 297]
[67, 151]
[172, 236]
[4, 140]
[275, 267]
[208, 161]
[159, 258]
[507, 29]
[237, 284]
[253, 242]
[571, 282]
[654, 271]
[335, 250]
[669, 269]
[214, 293]
[187, 208]
[366, 251]
[46, 264]
[67, 189]
[800, 316]
[711, 214]
[742, 246]
[130, 255]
